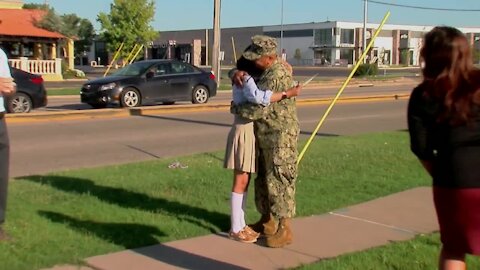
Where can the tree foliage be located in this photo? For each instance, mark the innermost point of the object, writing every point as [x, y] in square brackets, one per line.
[129, 22]
[79, 29]
[35, 6]
[69, 25]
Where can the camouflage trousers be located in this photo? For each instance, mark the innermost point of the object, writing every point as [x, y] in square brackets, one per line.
[275, 182]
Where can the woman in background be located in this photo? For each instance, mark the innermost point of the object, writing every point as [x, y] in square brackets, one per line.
[444, 126]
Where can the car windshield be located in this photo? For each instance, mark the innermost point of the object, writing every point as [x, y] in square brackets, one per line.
[134, 69]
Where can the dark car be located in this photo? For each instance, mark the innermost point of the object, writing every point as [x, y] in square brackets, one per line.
[30, 93]
[151, 81]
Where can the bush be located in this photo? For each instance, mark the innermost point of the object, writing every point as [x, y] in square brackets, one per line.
[366, 70]
[73, 73]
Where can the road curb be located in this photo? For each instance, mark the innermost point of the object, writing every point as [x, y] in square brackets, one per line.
[117, 113]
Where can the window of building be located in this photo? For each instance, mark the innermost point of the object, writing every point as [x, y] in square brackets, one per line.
[347, 36]
[28, 49]
[323, 57]
[346, 55]
[323, 36]
[291, 33]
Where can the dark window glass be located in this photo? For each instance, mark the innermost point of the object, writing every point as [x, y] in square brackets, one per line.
[323, 36]
[346, 36]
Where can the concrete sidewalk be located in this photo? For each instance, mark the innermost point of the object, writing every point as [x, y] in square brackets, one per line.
[397, 217]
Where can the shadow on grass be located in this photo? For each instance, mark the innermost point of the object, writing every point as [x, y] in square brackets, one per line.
[201, 122]
[210, 220]
[309, 133]
[121, 234]
[134, 235]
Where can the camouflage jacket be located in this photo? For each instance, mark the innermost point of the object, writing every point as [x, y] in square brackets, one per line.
[276, 125]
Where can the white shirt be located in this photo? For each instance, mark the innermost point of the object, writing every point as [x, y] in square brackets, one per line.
[250, 93]
[4, 73]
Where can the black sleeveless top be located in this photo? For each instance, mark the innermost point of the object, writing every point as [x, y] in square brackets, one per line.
[453, 150]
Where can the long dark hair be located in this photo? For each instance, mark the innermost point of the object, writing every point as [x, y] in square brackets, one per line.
[449, 74]
[249, 66]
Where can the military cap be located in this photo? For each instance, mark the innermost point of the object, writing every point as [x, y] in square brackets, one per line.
[261, 45]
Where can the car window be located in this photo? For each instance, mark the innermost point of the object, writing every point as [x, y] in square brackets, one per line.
[179, 68]
[134, 69]
[161, 69]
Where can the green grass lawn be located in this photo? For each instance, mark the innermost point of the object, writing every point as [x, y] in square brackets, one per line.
[63, 91]
[418, 254]
[64, 217]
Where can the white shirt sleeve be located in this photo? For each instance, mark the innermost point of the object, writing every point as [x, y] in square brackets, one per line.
[4, 67]
[255, 95]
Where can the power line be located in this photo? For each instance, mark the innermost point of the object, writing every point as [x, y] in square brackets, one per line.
[425, 8]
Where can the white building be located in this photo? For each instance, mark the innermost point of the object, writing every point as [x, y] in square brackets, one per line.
[341, 43]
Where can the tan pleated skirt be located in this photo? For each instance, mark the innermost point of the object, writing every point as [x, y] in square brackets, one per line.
[240, 151]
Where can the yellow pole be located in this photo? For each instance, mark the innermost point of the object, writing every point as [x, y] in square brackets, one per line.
[135, 57]
[114, 58]
[129, 55]
[360, 61]
[234, 51]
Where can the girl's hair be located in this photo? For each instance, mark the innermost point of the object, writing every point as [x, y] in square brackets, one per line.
[248, 66]
[449, 74]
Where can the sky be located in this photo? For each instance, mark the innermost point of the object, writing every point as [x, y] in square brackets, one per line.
[198, 14]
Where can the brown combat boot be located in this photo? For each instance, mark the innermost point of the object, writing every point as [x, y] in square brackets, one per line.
[267, 225]
[283, 236]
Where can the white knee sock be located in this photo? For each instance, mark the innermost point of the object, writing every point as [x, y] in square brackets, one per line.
[244, 206]
[236, 215]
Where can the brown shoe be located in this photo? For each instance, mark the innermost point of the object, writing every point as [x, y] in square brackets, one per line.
[251, 232]
[267, 225]
[242, 236]
[283, 236]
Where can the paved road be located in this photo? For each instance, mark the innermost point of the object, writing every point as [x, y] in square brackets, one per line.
[326, 72]
[73, 103]
[58, 145]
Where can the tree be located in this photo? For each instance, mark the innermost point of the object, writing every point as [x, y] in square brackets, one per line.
[86, 34]
[79, 29]
[69, 25]
[35, 6]
[50, 21]
[128, 23]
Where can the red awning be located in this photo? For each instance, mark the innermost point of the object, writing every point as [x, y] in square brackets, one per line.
[20, 22]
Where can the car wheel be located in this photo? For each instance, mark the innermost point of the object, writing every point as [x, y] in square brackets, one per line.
[200, 95]
[130, 97]
[19, 103]
[98, 105]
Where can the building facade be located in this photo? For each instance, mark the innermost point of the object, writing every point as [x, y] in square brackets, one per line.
[322, 43]
[29, 47]
[341, 43]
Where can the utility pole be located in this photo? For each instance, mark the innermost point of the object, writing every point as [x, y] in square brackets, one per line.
[216, 41]
[365, 14]
[281, 31]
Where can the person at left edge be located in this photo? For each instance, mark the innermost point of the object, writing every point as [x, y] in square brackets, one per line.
[7, 87]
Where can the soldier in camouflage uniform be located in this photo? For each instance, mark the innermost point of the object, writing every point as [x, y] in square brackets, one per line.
[276, 131]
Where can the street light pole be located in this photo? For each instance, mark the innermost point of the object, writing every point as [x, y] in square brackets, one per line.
[216, 41]
[365, 11]
[281, 32]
